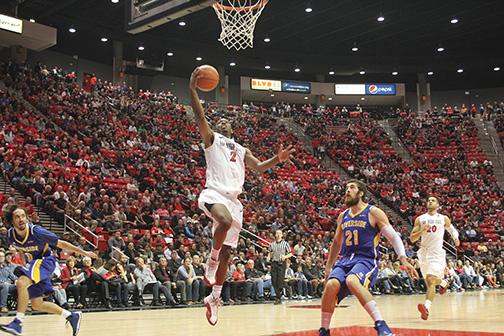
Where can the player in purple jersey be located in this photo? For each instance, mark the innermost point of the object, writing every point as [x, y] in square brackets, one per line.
[35, 243]
[356, 240]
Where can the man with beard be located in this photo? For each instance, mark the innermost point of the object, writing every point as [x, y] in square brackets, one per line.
[356, 240]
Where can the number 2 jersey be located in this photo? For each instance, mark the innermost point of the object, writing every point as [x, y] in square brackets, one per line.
[225, 172]
[36, 244]
[360, 239]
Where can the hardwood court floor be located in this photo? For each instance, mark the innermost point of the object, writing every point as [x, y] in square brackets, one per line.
[452, 314]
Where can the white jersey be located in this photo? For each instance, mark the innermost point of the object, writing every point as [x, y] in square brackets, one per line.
[225, 170]
[432, 240]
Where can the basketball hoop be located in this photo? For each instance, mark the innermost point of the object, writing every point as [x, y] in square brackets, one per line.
[238, 19]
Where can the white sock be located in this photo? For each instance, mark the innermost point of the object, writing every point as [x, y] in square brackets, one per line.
[325, 319]
[20, 316]
[443, 283]
[428, 304]
[215, 254]
[216, 291]
[65, 313]
[373, 311]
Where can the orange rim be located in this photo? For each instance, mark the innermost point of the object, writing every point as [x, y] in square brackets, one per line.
[260, 4]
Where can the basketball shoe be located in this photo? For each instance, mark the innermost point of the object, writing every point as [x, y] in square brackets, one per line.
[424, 311]
[443, 289]
[382, 329]
[75, 321]
[212, 305]
[13, 328]
[210, 270]
[324, 332]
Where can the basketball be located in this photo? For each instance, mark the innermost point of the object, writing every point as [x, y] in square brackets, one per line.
[209, 78]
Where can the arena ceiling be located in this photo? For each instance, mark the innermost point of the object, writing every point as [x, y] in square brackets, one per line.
[407, 41]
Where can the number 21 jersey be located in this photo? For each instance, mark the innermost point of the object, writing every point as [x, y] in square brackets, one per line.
[360, 238]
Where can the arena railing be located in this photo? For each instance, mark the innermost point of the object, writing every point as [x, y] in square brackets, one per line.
[451, 249]
[82, 227]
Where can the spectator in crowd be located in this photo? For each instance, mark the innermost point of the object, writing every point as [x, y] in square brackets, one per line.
[7, 282]
[163, 276]
[240, 288]
[192, 282]
[146, 280]
[74, 283]
[259, 283]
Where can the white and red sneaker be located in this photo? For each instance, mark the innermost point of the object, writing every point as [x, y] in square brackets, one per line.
[423, 311]
[212, 305]
[210, 270]
[443, 289]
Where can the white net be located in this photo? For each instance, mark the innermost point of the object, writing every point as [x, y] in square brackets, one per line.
[238, 19]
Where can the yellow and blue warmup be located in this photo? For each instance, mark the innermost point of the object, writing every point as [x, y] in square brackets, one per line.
[39, 263]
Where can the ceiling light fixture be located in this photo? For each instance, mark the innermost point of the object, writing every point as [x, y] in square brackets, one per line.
[308, 8]
[496, 69]
[232, 64]
[72, 30]
[170, 54]
[104, 39]
[32, 20]
[362, 72]
[331, 72]
[440, 49]
[267, 39]
[380, 18]
[114, 1]
[297, 70]
[395, 73]
[199, 58]
[267, 67]
[141, 48]
[306, 98]
[460, 70]
[430, 73]
[454, 20]
[182, 23]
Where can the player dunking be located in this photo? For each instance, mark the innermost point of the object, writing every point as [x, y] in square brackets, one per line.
[356, 240]
[225, 175]
[35, 243]
[431, 227]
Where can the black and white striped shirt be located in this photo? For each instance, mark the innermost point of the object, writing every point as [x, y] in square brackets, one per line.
[279, 249]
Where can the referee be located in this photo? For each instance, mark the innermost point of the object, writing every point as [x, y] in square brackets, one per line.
[278, 253]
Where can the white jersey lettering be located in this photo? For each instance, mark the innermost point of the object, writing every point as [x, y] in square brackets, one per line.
[432, 240]
[225, 161]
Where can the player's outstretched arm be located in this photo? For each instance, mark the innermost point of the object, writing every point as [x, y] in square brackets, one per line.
[335, 248]
[205, 130]
[254, 163]
[452, 231]
[382, 222]
[62, 244]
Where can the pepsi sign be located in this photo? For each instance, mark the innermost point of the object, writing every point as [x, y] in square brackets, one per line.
[381, 89]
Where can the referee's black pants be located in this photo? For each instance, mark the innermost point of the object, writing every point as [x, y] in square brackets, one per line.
[278, 277]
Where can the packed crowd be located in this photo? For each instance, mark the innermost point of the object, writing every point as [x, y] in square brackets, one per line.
[118, 163]
[446, 161]
[129, 165]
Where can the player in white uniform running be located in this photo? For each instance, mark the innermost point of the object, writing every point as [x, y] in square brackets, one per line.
[225, 175]
[430, 227]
